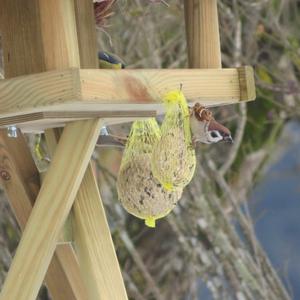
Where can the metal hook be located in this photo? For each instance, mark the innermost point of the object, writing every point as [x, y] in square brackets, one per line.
[12, 131]
[104, 131]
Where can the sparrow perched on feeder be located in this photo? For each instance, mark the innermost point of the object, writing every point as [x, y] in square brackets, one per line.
[205, 129]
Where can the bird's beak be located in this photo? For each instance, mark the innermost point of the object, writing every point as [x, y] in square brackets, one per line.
[228, 139]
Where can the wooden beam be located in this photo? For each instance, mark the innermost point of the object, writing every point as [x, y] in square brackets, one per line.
[21, 37]
[86, 34]
[52, 207]
[59, 34]
[247, 83]
[214, 87]
[64, 264]
[23, 54]
[94, 245]
[92, 239]
[89, 90]
[39, 121]
[203, 37]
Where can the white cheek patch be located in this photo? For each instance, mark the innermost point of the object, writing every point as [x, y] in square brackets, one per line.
[214, 139]
[201, 133]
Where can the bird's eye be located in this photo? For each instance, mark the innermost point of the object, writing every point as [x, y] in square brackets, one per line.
[214, 134]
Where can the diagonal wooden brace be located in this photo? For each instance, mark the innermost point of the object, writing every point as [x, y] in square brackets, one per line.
[20, 179]
[52, 207]
[93, 243]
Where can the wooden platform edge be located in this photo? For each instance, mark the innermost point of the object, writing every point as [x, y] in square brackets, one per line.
[47, 117]
[86, 90]
[247, 83]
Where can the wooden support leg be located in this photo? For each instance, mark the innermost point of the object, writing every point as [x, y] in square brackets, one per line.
[63, 276]
[52, 207]
[203, 37]
[93, 243]
[20, 180]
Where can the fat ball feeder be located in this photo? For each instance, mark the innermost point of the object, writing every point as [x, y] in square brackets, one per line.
[52, 80]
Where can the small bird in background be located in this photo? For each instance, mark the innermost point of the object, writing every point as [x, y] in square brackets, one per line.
[108, 61]
[205, 129]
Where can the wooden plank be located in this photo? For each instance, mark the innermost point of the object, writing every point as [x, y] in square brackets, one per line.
[58, 27]
[203, 37]
[65, 265]
[19, 55]
[99, 89]
[33, 91]
[86, 33]
[17, 170]
[52, 207]
[214, 87]
[23, 54]
[247, 83]
[46, 119]
[94, 245]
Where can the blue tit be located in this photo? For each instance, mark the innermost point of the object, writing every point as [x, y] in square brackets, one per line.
[107, 61]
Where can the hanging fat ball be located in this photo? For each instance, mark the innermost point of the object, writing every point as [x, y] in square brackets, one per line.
[139, 192]
[205, 128]
[108, 61]
[174, 158]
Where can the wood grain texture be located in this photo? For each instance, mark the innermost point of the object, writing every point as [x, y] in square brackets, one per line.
[23, 54]
[86, 33]
[33, 91]
[49, 119]
[20, 26]
[127, 89]
[59, 35]
[19, 176]
[214, 87]
[203, 37]
[52, 207]
[91, 234]
[65, 265]
[94, 245]
[247, 83]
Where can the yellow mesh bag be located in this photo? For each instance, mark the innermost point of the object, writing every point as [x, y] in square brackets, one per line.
[173, 157]
[139, 192]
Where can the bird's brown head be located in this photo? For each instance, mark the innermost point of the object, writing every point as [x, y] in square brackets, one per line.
[205, 128]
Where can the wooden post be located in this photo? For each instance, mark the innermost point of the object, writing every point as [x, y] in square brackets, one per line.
[203, 38]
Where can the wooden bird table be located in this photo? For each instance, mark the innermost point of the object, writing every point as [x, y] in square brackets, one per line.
[52, 80]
